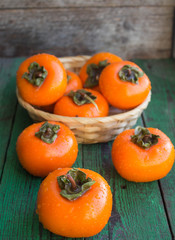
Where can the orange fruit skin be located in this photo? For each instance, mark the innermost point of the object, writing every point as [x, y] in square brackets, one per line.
[120, 94]
[66, 107]
[96, 59]
[53, 86]
[82, 217]
[74, 83]
[142, 165]
[40, 158]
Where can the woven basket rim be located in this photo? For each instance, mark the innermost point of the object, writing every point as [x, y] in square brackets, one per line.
[118, 116]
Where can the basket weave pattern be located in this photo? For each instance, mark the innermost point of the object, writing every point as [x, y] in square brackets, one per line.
[89, 130]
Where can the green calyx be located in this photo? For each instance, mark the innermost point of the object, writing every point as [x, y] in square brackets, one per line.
[74, 184]
[48, 132]
[94, 71]
[143, 138]
[130, 74]
[81, 97]
[36, 74]
[68, 78]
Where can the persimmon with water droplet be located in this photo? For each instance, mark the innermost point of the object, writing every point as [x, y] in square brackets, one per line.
[46, 146]
[41, 79]
[79, 211]
[124, 85]
[143, 154]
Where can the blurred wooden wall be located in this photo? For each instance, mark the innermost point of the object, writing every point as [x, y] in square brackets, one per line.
[131, 29]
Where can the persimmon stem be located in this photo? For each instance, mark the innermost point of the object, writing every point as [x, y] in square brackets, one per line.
[144, 138]
[48, 132]
[82, 96]
[130, 73]
[73, 183]
[90, 99]
[36, 74]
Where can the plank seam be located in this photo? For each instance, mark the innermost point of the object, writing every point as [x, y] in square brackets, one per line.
[161, 193]
[9, 140]
[74, 7]
[165, 208]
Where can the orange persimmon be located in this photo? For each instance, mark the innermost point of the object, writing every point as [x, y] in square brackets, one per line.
[80, 210]
[82, 103]
[74, 82]
[43, 147]
[41, 79]
[91, 70]
[124, 85]
[143, 155]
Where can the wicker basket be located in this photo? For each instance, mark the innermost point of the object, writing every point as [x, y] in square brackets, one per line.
[89, 130]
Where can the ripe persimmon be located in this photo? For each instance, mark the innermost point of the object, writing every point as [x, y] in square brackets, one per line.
[74, 202]
[124, 84]
[143, 155]
[41, 79]
[82, 103]
[43, 147]
[73, 82]
[92, 69]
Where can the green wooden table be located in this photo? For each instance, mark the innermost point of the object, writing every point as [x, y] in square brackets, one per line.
[140, 211]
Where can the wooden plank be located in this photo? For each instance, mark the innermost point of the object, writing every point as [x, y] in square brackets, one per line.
[161, 114]
[80, 3]
[19, 192]
[17, 207]
[138, 211]
[8, 101]
[92, 160]
[146, 31]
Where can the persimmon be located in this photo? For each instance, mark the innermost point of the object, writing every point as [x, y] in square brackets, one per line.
[92, 69]
[74, 202]
[43, 147]
[73, 82]
[82, 103]
[41, 79]
[143, 154]
[124, 85]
